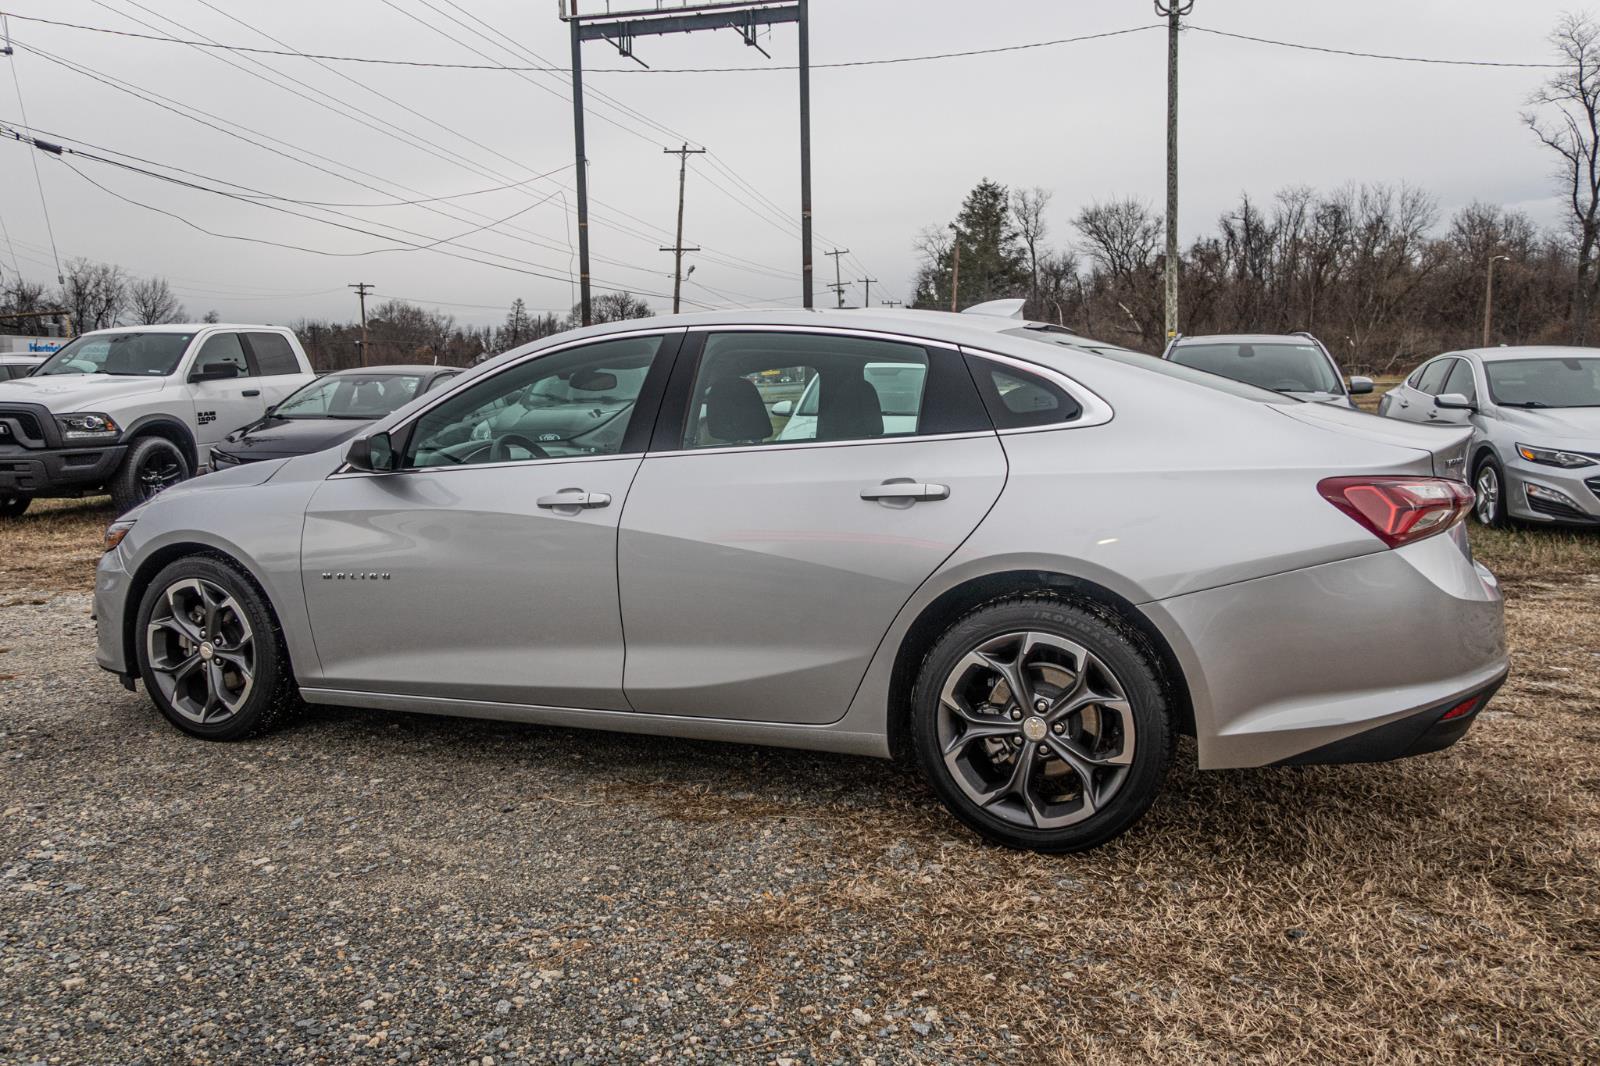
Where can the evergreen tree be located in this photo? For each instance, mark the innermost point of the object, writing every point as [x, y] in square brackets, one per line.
[994, 264]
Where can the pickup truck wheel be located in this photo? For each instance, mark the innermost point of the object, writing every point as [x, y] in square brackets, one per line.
[13, 504]
[151, 465]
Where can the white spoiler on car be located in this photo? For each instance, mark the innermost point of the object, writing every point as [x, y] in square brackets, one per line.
[997, 309]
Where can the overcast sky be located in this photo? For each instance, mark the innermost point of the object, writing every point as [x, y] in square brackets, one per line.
[894, 147]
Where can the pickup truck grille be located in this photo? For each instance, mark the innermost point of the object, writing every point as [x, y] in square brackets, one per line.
[22, 427]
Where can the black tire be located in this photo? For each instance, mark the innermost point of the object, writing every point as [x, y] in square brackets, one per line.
[1489, 512]
[1124, 799]
[151, 465]
[272, 693]
[12, 504]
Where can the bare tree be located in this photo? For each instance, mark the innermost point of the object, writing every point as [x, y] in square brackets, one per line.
[1028, 208]
[1570, 127]
[151, 302]
[95, 294]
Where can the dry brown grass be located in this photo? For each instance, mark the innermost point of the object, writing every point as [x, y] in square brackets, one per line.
[55, 545]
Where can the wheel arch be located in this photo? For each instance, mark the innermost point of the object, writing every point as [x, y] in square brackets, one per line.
[172, 429]
[950, 605]
[139, 582]
[1483, 451]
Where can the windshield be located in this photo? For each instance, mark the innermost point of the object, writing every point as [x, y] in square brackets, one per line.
[363, 396]
[1544, 382]
[132, 354]
[1279, 367]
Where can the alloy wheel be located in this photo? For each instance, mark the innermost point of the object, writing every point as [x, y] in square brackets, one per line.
[1035, 730]
[1488, 494]
[159, 472]
[201, 651]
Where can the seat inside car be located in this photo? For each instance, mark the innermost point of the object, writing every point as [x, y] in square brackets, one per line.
[848, 408]
[735, 413]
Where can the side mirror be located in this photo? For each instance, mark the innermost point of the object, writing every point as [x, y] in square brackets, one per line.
[1360, 385]
[374, 453]
[1453, 401]
[214, 372]
[783, 408]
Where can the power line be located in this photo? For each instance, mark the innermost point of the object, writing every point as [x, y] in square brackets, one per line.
[37, 180]
[548, 69]
[1373, 55]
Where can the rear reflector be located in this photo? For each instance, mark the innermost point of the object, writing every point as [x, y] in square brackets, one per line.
[1399, 510]
[1461, 709]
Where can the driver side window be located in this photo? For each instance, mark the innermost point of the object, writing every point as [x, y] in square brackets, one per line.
[562, 406]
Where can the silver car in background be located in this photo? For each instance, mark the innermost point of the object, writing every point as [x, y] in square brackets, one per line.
[1535, 419]
[1294, 364]
[1030, 574]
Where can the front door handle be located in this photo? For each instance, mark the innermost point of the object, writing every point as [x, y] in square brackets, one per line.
[575, 499]
[906, 489]
[251, 392]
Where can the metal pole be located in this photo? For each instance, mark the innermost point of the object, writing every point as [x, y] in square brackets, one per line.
[1173, 9]
[1488, 297]
[585, 311]
[955, 274]
[805, 155]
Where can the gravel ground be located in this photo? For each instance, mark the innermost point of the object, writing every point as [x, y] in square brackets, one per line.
[380, 887]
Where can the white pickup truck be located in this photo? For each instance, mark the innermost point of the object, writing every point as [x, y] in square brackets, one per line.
[131, 411]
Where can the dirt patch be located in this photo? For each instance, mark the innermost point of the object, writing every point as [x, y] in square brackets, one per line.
[54, 545]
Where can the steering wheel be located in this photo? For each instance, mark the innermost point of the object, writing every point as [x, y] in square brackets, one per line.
[500, 448]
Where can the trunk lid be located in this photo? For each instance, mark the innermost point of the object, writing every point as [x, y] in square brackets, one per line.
[1446, 445]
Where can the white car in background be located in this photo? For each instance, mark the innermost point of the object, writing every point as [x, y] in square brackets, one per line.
[1294, 364]
[18, 365]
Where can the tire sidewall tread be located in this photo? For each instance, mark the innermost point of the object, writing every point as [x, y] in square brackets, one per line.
[126, 492]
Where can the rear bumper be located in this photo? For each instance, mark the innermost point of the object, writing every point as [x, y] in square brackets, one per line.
[1431, 730]
[41, 471]
[1285, 666]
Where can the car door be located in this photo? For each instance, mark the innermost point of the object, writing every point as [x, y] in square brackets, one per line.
[222, 403]
[760, 568]
[484, 568]
[1416, 395]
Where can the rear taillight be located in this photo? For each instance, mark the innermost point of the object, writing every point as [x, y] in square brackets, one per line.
[1399, 510]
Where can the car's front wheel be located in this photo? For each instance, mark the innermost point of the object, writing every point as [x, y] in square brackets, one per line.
[1041, 725]
[152, 465]
[210, 652]
[12, 504]
[1489, 483]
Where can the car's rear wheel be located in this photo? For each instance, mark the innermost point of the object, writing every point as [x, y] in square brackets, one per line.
[210, 652]
[1489, 482]
[152, 465]
[1041, 725]
[12, 504]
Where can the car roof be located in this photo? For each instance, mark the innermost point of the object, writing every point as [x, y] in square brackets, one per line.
[187, 327]
[24, 357]
[1246, 338]
[1528, 351]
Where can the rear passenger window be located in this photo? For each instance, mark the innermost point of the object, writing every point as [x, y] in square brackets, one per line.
[273, 354]
[1019, 400]
[1433, 375]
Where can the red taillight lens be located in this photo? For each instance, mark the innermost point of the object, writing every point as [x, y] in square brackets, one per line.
[1399, 510]
[1460, 709]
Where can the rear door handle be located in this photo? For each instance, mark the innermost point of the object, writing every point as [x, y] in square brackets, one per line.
[252, 392]
[576, 499]
[905, 489]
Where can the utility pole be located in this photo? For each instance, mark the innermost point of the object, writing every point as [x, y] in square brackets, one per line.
[955, 268]
[1173, 10]
[866, 298]
[677, 248]
[839, 284]
[1488, 296]
[363, 289]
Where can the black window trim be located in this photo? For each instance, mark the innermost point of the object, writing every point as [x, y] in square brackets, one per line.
[1094, 410]
[667, 439]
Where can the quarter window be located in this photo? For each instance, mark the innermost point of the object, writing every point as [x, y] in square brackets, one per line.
[784, 388]
[564, 405]
[273, 354]
[1019, 400]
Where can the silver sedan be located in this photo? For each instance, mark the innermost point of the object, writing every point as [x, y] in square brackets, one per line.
[1027, 566]
[1534, 413]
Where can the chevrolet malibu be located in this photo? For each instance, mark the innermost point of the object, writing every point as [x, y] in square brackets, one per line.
[1030, 572]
